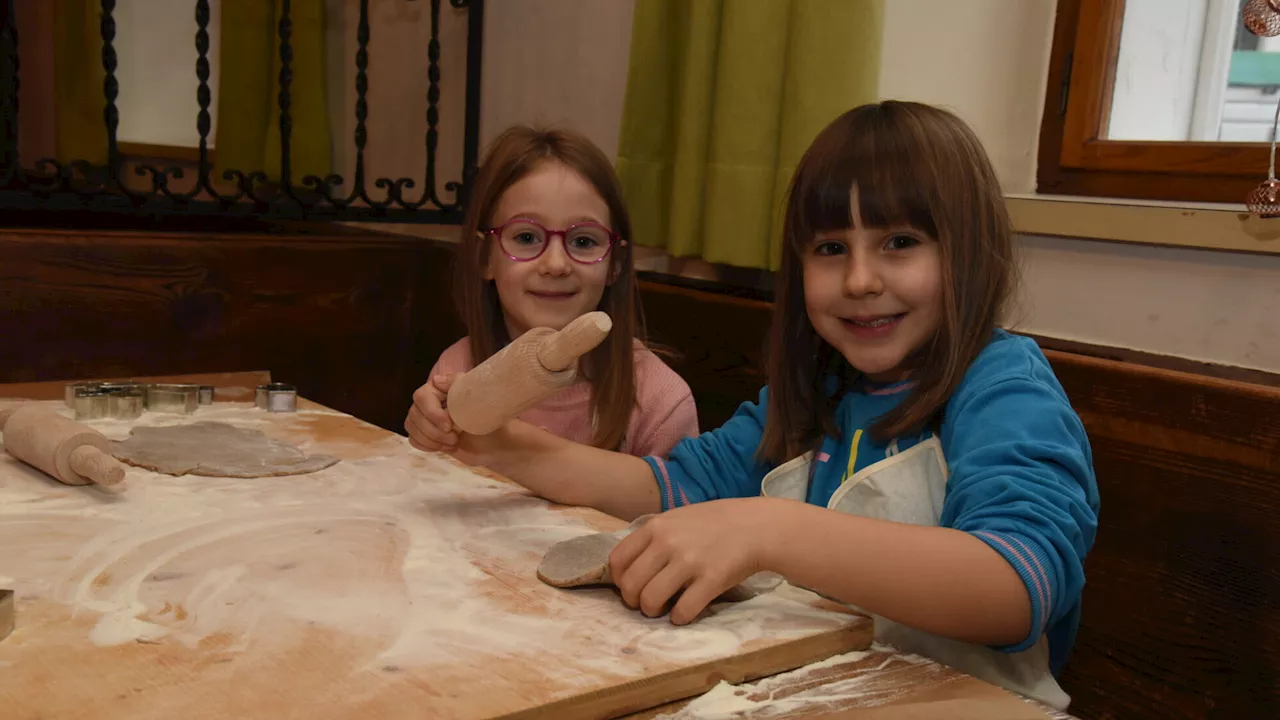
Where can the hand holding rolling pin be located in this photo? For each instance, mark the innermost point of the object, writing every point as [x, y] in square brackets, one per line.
[528, 370]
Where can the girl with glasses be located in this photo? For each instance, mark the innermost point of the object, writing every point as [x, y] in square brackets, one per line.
[545, 241]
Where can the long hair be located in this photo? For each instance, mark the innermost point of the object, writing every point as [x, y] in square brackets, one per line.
[610, 366]
[911, 164]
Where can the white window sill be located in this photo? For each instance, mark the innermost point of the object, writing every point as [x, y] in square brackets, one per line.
[1200, 225]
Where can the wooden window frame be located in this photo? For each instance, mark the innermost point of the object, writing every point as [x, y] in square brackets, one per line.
[1074, 160]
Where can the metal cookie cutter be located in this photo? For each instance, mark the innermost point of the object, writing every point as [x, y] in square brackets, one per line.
[69, 391]
[173, 398]
[125, 401]
[90, 402]
[276, 397]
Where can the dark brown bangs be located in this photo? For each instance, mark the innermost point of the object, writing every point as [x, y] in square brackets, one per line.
[868, 150]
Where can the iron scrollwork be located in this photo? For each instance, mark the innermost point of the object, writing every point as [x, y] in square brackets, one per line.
[49, 184]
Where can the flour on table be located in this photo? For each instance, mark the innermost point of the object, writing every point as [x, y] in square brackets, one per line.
[810, 691]
[408, 552]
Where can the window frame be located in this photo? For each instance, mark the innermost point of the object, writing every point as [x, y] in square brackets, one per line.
[1074, 160]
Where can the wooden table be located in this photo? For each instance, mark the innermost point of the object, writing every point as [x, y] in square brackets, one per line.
[874, 684]
[394, 584]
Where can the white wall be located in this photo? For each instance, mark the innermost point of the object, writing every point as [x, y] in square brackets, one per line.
[1209, 306]
[987, 60]
[155, 49]
[556, 62]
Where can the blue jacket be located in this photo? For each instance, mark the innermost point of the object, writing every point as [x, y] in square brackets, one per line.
[1020, 472]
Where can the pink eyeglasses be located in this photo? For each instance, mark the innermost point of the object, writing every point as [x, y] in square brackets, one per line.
[586, 243]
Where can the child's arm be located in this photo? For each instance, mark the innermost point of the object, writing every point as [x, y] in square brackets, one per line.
[717, 464]
[565, 472]
[936, 579]
[940, 580]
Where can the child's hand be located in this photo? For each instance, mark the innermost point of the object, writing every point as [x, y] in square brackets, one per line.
[702, 549]
[429, 426]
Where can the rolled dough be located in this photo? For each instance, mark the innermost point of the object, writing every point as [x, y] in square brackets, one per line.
[584, 560]
[215, 449]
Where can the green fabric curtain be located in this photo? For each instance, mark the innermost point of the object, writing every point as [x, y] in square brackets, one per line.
[723, 97]
[81, 132]
[248, 130]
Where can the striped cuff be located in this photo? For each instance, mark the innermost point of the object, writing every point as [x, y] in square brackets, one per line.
[1032, 565]
[672, 494]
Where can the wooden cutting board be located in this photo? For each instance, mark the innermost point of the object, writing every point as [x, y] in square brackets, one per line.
[394, 584]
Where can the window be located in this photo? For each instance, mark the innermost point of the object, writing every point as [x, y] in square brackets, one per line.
[1157, 99]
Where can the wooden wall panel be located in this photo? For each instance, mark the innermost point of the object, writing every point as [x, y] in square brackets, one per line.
[717, 342]
[1181, 618]
[340, 316]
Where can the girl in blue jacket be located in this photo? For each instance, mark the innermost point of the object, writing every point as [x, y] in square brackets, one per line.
[907, 457]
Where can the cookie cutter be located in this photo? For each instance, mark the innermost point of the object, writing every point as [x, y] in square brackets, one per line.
[69, 391]
[91, 403]
[206, 395]
[276, 397]
[181, 398]
[125, 401]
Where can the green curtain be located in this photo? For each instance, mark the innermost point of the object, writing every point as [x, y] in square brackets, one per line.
[723, 97]
[248, 131]
[80, 131]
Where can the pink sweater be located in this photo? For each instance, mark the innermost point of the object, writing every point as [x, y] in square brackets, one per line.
[665, 414]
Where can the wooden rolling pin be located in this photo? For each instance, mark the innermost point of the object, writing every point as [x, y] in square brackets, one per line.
[527, 370]
[63, 448]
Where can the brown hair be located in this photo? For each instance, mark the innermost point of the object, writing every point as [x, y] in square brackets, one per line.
[911, 164]
[611, 366]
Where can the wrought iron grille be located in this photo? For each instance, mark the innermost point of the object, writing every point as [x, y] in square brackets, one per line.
[78, 185]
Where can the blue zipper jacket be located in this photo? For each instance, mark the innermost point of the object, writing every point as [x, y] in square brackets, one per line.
[1020, 470]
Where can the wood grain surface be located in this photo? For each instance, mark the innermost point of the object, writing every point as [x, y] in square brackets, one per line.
[1180, 612]
[875, 683]
[337, 315]
[394, 584]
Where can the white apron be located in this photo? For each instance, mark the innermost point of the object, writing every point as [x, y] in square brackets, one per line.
[909, 487]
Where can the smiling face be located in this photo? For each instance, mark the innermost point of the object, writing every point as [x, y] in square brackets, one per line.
[875, 294]
[897, 258]
[553, 289]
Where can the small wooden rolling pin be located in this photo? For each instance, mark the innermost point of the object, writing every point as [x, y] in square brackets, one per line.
[65, 449]
[519, 376]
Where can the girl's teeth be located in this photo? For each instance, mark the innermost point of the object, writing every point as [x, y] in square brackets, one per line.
[874, 323]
